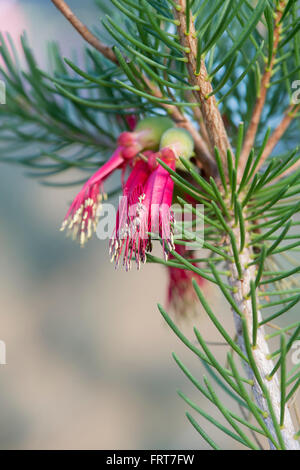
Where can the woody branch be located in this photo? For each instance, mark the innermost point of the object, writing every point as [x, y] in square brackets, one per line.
[211, 115]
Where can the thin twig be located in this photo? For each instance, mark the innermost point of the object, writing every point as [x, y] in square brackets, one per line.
[264, 85]
[276, 136]
[181, 120]
[212, 117]
[278, 328]
[84, 31]
[278, 133]
[288, 171]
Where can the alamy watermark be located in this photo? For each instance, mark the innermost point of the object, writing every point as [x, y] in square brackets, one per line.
[2, 92]
[2, 353]
[295, 357]
[159, 221]
[296, 93]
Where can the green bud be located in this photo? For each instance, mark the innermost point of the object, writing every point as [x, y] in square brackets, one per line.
[152, 129]
[180, 141]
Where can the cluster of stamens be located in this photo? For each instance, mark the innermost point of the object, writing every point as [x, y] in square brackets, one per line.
[168, 244]
[82, 222]
[131, 238]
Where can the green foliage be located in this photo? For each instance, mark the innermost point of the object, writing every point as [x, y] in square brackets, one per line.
[269, 200]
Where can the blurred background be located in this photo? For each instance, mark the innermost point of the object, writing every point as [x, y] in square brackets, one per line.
[89, 361]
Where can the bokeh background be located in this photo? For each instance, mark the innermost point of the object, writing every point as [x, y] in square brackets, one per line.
[89, 361]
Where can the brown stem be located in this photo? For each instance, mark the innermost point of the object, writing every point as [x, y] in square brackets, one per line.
[181, 120]
[198, 117]
[264, 85]
[288, 171]
[277, 134]
[213, 120]
[84, 31]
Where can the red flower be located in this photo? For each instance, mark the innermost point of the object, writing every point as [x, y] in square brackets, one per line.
[82, 217]
[182, 298]
[144, 208]
[128, 235]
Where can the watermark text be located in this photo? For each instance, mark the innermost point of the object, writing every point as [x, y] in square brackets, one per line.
[2, 353]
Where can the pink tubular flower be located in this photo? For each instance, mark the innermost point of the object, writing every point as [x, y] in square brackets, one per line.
[158, 200]
[127, 234]
[82, 217]
[182, 298]
[144, 211]
[144, 208]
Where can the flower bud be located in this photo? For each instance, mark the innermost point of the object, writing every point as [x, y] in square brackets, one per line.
[179, 141]
[151, 129]
[146, 136]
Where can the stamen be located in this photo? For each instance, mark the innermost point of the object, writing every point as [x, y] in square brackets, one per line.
[82, 221]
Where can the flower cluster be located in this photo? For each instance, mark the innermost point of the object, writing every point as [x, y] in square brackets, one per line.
[82, 217]
[144, 209]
